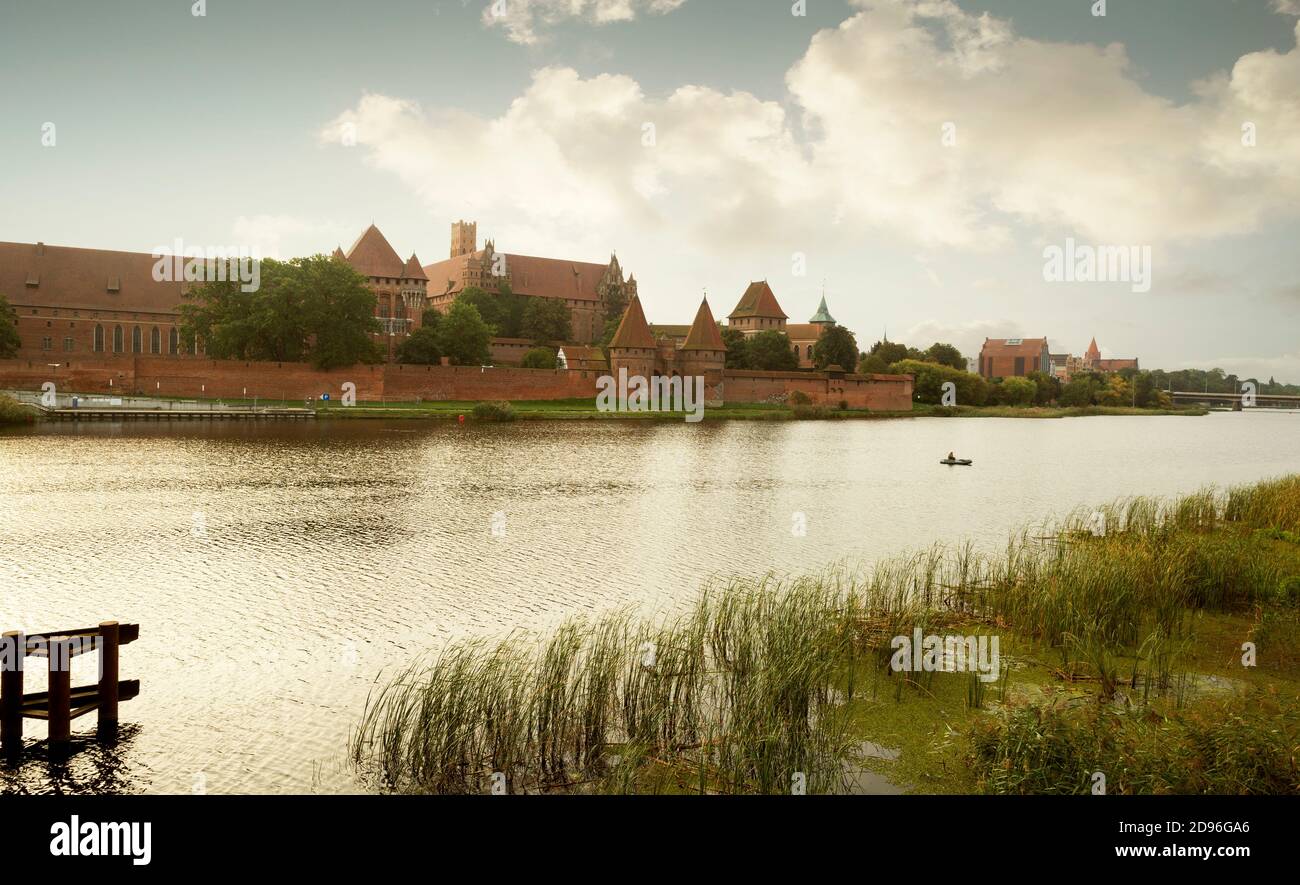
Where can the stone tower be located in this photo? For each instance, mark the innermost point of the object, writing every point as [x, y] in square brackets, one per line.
[703, 353]
[464, 238]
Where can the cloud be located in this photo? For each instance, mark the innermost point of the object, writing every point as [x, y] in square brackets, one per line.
[1056, 137]
[1287, 7]
[267, 234]
[966, 337]
[526, 21]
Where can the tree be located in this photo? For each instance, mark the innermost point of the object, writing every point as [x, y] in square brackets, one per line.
[836, 347]
[946, 355]
[872, 364]
[502, 310]
[929, 379]
[546, 319]
[463, 336]
[888, 351]
[1018, 391]
[1081, 391]
[1047, 388]
[421, 348]
[10, 342]
[771, 351]
[318, 309]
[738, 356]
[539, 358]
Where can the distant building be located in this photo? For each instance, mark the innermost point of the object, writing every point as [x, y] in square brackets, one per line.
[1091, 361]
[1014, 357]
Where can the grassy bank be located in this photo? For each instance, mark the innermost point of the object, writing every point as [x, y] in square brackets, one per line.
[1121, 633]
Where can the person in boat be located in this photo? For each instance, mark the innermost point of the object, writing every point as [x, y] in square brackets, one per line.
[952, 457]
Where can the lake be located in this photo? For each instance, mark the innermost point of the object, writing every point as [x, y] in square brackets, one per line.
[277, 569]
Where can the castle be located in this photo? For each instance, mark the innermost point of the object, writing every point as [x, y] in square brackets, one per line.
[106, 319]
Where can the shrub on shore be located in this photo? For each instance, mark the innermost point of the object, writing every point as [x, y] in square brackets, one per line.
[502, 412]
[14, 412]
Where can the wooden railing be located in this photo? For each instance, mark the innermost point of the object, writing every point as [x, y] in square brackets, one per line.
[62, 703]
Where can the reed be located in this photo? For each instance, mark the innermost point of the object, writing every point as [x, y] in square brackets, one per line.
[748, 691]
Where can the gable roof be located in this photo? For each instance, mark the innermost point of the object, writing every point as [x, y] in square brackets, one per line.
[373, 256]
[529, 275]
[1027, 347]
[1093, 352]
[758, 301]
[633, 331]
[704, 334]
[86, 279]
[412, 270]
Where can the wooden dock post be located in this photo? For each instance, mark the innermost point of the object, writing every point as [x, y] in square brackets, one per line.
[108, 637]
[11, 691]
[60, 709]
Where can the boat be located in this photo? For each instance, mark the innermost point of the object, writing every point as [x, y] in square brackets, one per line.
[957, 462]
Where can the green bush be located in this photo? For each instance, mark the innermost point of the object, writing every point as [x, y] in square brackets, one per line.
[501, 411]
[1019, 391]
[799, 398]
[930, 378]
[14, 412]
[539, 358]
[812, 413]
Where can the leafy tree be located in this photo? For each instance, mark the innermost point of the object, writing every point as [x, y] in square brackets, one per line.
[502, 310]
[316, 309]
[890, 352]
[836, 347]
[1048, 388]
[1081, 391]
[946, 355]
[546, 319]
[971, 390]
[421, 348]
[1018, 391]
[539, 358]
[9, 339]
[738, 355]
[1116, 392]
[771, 351]
[872, 364]
[463, 336]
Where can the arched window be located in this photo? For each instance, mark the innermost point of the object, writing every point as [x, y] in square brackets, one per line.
[155, 341]
[117, 339]
[135, 340]
[173, 341]
[99, 339]
[809, 351]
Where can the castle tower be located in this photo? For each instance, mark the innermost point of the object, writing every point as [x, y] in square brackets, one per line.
[703, 352]
[758, 311]
[633, 346]
[823, 316]
[464, 238]
[1093, 356]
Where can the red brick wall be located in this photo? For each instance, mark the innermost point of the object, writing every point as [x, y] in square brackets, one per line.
[161, 376]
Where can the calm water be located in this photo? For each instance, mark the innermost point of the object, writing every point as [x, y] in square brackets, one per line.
[276, 570]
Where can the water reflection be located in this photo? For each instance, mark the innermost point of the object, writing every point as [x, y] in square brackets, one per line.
[332, 552]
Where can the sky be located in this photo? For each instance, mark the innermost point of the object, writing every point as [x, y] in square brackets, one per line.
[915, 160]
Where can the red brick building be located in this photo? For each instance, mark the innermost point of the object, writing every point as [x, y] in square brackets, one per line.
[1014, 357]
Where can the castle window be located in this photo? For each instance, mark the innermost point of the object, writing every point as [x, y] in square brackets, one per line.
[135, 340]
[173, 341]
[155, 341]
[99, 339]
[67, 345]
[117, 339]
[47, 344]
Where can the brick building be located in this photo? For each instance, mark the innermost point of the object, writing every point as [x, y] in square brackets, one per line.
[586, 288]
[1014, 357]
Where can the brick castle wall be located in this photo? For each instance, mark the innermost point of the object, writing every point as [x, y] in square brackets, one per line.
[230, 379]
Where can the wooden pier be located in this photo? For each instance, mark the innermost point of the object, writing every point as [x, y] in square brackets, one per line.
[62, 703]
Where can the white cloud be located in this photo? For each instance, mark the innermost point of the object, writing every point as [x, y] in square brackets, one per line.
[526, 20]
[274, 236]
[1054, 136]
[968, 337]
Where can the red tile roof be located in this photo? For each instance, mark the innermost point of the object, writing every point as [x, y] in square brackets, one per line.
[81, 279]
[758, 301]
[633, 331]
[704, 334]
[541, 277]
[995, 347]
[804, 331]
[412, 269]
[373, 256]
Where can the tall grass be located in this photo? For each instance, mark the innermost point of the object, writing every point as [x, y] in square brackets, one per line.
[748, 691]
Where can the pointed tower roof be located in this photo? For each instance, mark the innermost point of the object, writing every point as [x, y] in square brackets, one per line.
[758, 301]
[412, 270]
[633, 331]
[1093, 352]
[372, 255]
[823, 315]
[338, 253]
[704, 334]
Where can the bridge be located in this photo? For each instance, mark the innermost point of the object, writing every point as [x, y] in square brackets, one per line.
[1234, 400]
